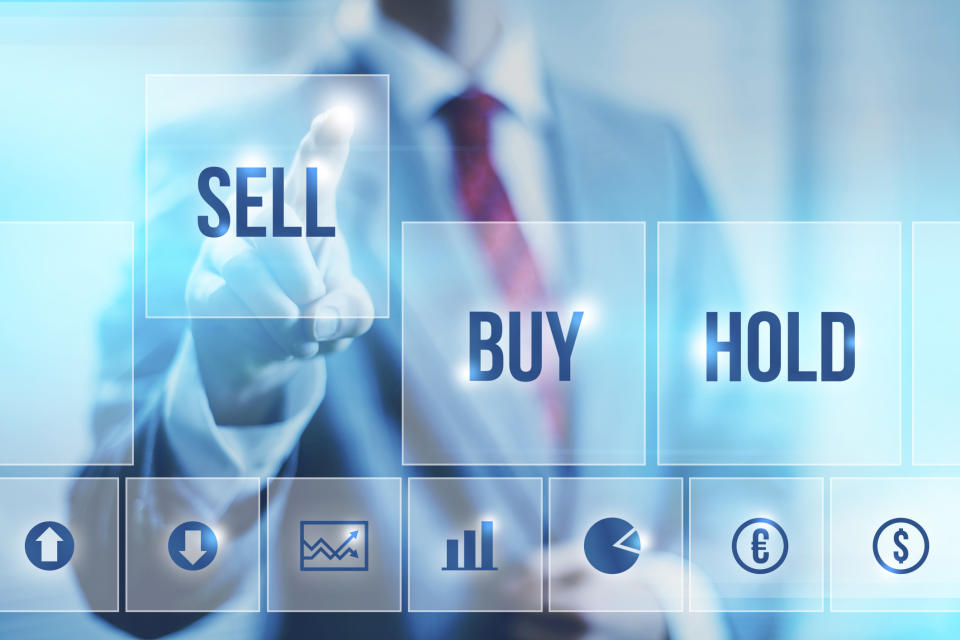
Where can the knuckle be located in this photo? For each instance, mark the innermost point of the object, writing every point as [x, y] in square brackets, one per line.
[364, 302]
[237, 265]
[199, 290]
[364, 325]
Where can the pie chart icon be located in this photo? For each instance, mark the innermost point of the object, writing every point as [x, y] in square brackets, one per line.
[612, 545]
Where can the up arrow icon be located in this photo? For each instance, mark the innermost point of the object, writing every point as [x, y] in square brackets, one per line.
[49, 543]
[192, 546]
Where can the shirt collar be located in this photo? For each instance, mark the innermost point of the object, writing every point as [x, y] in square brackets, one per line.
[423, 78]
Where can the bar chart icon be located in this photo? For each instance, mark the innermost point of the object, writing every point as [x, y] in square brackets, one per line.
[470, 550]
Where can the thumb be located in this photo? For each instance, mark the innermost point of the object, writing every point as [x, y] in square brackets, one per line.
[344, 312]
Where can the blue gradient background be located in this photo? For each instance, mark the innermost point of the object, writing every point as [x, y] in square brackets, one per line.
[795, 109]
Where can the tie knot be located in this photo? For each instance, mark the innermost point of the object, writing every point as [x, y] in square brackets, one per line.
[468, 116]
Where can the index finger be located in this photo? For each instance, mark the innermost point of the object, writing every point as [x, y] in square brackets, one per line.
[325, 149]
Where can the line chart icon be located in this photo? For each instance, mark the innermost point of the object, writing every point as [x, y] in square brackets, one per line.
[334, 545]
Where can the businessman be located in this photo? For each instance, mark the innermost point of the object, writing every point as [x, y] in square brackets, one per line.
[472, 108]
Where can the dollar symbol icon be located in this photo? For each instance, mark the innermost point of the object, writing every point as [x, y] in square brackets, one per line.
[898, 538]
[890, 548]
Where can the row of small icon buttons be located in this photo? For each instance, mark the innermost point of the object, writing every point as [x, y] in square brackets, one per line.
[193, 545]
[468, 544]
[611, 546]
[897, 540]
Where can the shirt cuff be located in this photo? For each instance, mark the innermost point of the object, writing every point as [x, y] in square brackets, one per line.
[204, 448]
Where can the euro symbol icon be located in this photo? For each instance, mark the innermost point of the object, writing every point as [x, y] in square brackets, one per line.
[759, 545]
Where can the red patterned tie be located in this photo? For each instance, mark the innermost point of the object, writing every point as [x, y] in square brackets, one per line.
[483, 199]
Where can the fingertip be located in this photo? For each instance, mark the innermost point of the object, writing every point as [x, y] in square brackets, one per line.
[336, 121]
[342, 120]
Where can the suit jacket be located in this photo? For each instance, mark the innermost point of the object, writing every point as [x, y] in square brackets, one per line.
[607, 162]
